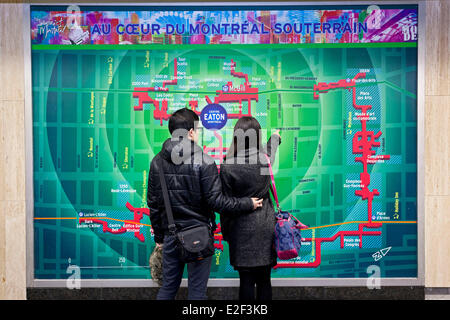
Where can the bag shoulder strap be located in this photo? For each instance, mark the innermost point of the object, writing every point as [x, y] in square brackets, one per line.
[165, 192]
[299, 225]
[274, 189]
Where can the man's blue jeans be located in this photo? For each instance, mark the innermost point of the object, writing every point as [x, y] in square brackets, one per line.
[198, 273]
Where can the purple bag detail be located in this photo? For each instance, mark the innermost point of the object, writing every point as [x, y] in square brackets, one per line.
[288, 238]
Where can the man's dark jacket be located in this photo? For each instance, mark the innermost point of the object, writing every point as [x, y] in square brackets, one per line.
[195, 189]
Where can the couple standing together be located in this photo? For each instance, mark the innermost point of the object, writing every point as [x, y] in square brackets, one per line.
[240, 194]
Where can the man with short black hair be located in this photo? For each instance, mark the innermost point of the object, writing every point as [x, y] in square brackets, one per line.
[195, 193]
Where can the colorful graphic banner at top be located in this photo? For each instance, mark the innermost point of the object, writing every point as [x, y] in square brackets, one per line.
[367, 25]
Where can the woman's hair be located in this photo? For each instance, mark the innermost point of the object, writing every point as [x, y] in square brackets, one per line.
[246, 134]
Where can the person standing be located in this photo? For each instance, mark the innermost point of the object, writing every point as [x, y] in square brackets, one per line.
[250, 237]
[195, 192]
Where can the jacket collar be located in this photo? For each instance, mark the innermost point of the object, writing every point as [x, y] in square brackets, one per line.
[182, 149]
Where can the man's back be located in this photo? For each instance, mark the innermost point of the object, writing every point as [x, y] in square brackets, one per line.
[195, 192]
[194, 186]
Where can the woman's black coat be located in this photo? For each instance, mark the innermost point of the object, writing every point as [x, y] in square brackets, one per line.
[250, 235]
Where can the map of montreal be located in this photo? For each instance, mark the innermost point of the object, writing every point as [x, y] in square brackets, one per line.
[344, 167]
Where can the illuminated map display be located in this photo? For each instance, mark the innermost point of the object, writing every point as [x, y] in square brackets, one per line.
[340, 83]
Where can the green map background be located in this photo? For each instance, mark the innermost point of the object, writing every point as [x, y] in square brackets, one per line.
[313, 163]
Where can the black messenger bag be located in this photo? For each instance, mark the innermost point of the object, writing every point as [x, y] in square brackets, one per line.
[193, 243]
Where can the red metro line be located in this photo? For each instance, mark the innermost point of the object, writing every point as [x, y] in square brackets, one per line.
[363, 141]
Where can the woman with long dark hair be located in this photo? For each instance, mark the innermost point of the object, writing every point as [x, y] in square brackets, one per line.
[250, 236]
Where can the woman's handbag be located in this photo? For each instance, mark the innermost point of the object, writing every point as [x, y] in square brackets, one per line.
[193, 243]
[287, 240]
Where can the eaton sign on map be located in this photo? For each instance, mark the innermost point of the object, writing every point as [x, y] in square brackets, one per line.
[339, 82]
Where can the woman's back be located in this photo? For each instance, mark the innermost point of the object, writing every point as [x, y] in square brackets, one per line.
[250, 236]
[242, 178]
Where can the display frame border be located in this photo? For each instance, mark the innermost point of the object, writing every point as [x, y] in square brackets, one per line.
[32, 282]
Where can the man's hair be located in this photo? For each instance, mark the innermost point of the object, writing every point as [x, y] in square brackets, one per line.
[183, 119]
